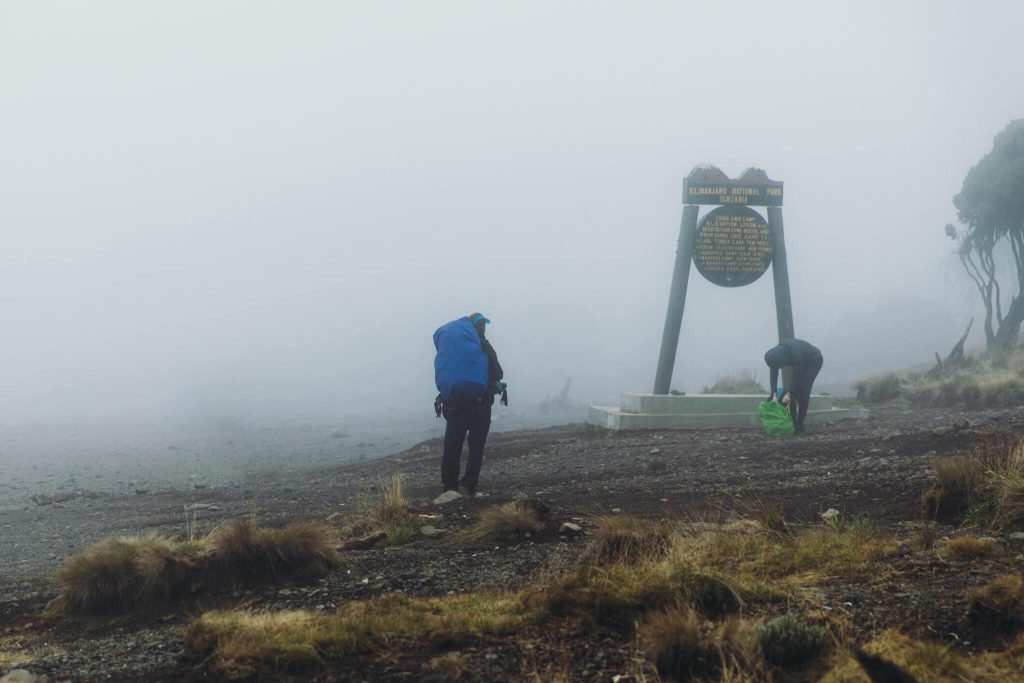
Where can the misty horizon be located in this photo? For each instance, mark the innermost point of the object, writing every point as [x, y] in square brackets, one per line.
[277, 223]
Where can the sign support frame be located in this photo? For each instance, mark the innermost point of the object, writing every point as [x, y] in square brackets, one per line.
[680, 281]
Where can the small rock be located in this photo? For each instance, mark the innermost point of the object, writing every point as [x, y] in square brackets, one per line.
[1017, 535]
[942, 431]
[199, 487]
[333, 516]
[447, 497]
[44, 499]
[961, 423]
[339, 434]
[905, 550]
[22, 676]
[656, 466]
[616, 510]
[141, 492]
[363, 542]
[654, 451]
[830, 514]
[430, 531]
[285, 592]
[570, 529]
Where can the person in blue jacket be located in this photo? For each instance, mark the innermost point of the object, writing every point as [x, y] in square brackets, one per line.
[471, 418]
[806, 361]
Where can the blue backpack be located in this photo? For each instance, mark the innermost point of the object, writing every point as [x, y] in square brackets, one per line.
[460, 366]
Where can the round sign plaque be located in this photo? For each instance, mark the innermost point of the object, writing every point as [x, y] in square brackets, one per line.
[733, 246]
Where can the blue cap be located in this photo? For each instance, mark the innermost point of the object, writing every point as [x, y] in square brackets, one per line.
[479, 318]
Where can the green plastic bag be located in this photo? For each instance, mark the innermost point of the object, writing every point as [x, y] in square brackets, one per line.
[775, 419]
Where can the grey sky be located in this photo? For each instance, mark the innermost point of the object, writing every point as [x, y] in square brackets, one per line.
[271, 205]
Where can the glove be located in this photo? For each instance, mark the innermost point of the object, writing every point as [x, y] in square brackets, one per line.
[499, 386]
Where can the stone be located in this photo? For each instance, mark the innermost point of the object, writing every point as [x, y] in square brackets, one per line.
[333, 516]
[657, 466]
[942, 431]
[22, 676]
[429, 531]
[63, 497]
[447, 497]
[1017, 535]
[141, 492]
[368, 541]
[339, 434]
[570, 529]
[961, 423]
[830, 514]
[654, 451]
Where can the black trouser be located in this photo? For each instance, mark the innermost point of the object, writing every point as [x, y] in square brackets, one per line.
[476, 420]
[803, 380]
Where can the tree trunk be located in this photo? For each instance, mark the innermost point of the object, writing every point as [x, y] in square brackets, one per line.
[1009, 330]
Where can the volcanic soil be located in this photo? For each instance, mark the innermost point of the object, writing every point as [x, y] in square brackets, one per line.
[875, 468]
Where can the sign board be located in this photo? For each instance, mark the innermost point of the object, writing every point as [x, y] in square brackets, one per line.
[733, 246]
[709, 185]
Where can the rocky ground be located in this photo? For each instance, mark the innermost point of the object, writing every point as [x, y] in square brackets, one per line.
[875, 468]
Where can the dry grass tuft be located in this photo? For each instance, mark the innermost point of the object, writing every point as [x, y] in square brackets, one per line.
[790, 642]
[929, 661]
[509, 521]
[878, 388]
[122, 574]
[683, 645]
[742, 381]
[241, 643]
[969, 548]
[384, 509]
[244, 551]
[924, 537]
[451, 665]
[628, 539]
[999, 604]
[985, 486]
[125, 574]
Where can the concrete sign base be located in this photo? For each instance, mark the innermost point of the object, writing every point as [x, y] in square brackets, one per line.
[702, 411]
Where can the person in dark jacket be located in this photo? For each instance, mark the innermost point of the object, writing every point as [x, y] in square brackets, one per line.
[806, 361]
[472, 418]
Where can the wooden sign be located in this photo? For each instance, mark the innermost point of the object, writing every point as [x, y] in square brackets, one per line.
[710, 185]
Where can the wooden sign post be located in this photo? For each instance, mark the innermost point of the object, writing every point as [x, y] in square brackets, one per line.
[732, 246]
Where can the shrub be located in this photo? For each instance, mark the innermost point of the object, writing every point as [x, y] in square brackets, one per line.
[878, 388]
[789, 641]
[509, 521]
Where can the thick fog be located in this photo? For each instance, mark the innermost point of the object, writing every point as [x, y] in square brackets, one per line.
[268, 207]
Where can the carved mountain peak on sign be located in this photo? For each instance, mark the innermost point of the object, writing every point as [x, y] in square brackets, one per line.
[756, 176]
[709, 173]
